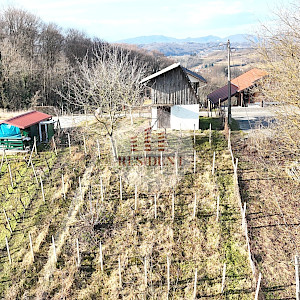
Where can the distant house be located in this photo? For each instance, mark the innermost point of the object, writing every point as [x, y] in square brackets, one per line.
[242, 89]
[19, 132]
[174, 95]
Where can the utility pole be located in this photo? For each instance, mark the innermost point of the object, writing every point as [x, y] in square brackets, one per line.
[229, 84]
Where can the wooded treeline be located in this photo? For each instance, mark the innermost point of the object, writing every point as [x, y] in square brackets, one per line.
[36, 57]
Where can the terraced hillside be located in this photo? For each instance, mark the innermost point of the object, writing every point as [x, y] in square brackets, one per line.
[109, 230]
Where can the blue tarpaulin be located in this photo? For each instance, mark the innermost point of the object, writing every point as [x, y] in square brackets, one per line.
[7, 130]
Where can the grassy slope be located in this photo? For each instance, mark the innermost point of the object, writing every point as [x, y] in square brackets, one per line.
[191, 243]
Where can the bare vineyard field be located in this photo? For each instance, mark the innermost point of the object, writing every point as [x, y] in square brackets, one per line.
[108, 230]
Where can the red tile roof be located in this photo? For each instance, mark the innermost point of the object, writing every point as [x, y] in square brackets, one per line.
[28, 119]
[248, 79]
[221, 93]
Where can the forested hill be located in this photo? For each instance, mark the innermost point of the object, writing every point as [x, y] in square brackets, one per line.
[37, 56]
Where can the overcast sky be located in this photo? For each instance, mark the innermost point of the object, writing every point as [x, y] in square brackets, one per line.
[114, 20]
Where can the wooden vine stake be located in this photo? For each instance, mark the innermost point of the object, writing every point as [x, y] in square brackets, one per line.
[194, 161]
[2, 160]
[210, 134]
[155, 207]
[54, 249]
[84, 145]
[7, 220]
[121, 189]
[98, 149]
[54, 146]
[7, 248]
[101, 187]
[168, 273]
[101, 256]
[244, 216]
[35, 145]
[176, 164]
[78, 253]
[80, 189]
[10, 176]
[33, 169]
[69, 142]
[120, 275]
[173, 206]
[195, 206]
[297, 277]
[194, 135]
[229, 141]
[63, 185]
[42, 188]
[31, 246]
[223, 278]
[145, 271]
[135, 197]
[213, 166]
[195, 286]
[258, 287]
[161, 162]
[218, 208]
[30, 157]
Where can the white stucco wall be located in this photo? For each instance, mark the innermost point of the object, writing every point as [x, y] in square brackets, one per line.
[154, 117]
[184, 117]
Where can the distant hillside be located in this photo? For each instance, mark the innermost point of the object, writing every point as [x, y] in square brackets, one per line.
[189, 46]
[143, 40]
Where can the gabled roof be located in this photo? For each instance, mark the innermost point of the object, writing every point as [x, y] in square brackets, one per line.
[248, 79]
[221, 94]
[171, 67]
[195, 75]
[28, 119]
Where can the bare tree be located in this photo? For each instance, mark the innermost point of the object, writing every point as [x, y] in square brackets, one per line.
[107, 86]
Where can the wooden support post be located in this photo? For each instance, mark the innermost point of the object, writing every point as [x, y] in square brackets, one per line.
[42, 188]
[244, 216]
[101, 256]
[161, 162]
[31, 246]
[98, 149]
[54, 146]
[297, 277]
[195, 206]
[135, 197]
[145, 271]
[176, 164]
[229, 139]
[10, 176]
[101, 187]
[210, 134]
[80, 189]
[78, 254]
[35, 145]
[173, 206]
[7, 220]
[213, 166]
[120, 275]
[258, 287]
[223, 278]
[155, 207]
[7, 248]
[194, 135]
[194, 161]
[63, 185]
[218, 208]
[2, 160]
[121, 189]
[84, 145]
[69, 142]
[54, 249]
[195, 285]
[33, 169]
[168, 273]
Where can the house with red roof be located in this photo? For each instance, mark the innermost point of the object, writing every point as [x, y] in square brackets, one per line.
[19, 132]
[243, 88]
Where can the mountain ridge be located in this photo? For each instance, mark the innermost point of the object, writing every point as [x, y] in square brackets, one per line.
[151, 39]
